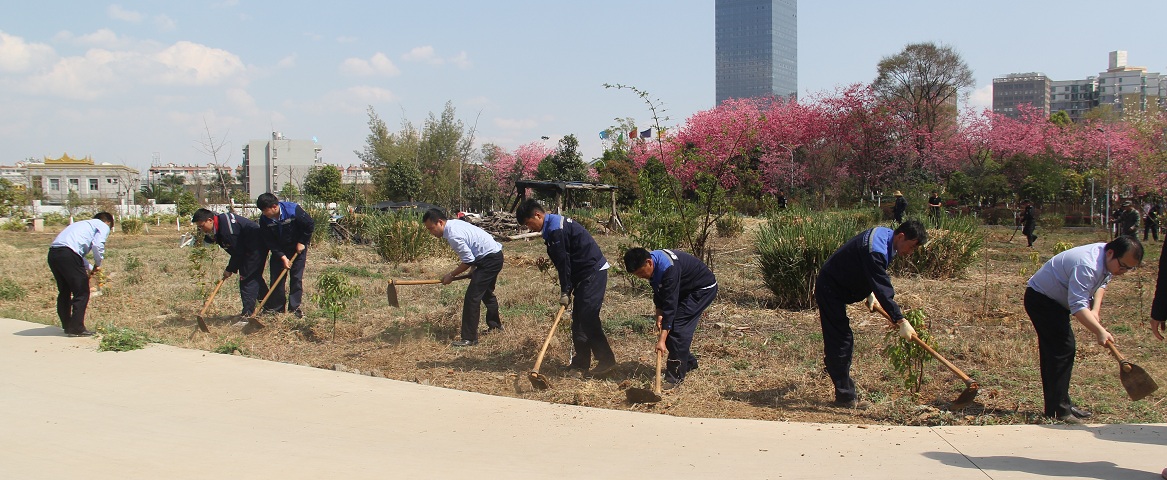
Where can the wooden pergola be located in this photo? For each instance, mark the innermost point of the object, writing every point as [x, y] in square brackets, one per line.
[561, 192]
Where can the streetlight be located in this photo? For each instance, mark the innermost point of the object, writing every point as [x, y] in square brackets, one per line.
[1107, 211]
[791, 150]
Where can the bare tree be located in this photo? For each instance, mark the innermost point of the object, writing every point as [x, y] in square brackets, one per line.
[212, 148]
[924, 81]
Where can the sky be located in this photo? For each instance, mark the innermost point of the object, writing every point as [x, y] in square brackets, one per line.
[125, 82]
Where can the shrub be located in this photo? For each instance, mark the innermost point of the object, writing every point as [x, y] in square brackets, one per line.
[1051, 221]
[907, 357]
[335, 293]
[132, 225]
[15, 225]
[793, 248]
[230, 346]
[1062, 246]
[998, 216]
[321, 218]
[401, 237]
[952, 247]
[10, 290]
[730, 226]
[53, 219]
[121, 339]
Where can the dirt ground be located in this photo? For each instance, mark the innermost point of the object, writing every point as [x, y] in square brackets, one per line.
[756, 362]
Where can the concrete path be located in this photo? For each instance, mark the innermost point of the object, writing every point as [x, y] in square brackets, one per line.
[70, 412]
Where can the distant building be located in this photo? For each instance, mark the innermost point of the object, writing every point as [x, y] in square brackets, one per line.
[191, 174]
[1130, 89]
[1075, 97]
[54, 179]
[356, 175]
[268, 165]
[1017, 89]
[756, 52]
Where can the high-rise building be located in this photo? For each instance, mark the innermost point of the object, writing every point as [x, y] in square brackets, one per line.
[756, 51]
[1127, 88]
[268, 165]
[1016, 89]
[1075, 97]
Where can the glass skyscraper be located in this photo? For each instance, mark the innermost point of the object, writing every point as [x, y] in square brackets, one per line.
[757, 48]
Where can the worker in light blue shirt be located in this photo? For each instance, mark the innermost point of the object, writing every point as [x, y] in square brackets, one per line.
[71, 271]
[1073, 283]
[475, 248]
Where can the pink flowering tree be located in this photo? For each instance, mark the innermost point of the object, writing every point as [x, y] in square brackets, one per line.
[510, 167]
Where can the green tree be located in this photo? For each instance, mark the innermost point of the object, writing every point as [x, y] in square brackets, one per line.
[392, 159]
[12, 197]
[1060, 118]
[923, 81]
[445, 147]
[615, 168]
[323, 183]
[289, 192]
[566, 164]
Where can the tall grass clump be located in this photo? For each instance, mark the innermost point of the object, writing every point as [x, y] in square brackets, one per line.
[730, 226]
[10, 290]
[401, 237]
[132, 226]
[793, 248]
[954, 243]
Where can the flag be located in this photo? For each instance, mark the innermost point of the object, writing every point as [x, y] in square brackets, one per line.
[660, 132]
[632, 134]
[646, 133]
[603, 134]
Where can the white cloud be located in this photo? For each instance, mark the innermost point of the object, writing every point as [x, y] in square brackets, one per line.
[427, 54]
[242, 101]
[116, 12]
[287, 62]
[350, 101]
[378, 64]
[981, 98]
[18, 56]
[462, 60]
[164, 23]
[187, 63]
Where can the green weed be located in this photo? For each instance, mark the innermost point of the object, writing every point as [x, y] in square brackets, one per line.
[121, 339]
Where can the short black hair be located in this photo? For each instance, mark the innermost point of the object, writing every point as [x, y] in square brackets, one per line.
[635, 258]
[201, 215]
[433, 215]
[105, 217]
[913, 230]
[527, 210]
[1126, 243]
[266, 200]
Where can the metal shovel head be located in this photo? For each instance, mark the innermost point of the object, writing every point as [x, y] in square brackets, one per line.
[202, 324]
[538, 381]
[642, 395]
[391, 294]
[1137, 382]
[966, 397]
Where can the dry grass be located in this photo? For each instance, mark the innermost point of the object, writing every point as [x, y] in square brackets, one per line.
[756, 362]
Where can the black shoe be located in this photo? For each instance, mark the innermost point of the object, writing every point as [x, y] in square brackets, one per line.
[298, 313]
[669, 385]
[603, 369]
[854, 403]
[464, 343]
[497, 329]
[83, 333]
[1069, 419]
[1078, 412]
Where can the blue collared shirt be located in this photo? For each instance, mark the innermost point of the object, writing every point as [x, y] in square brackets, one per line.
[84, 237]
[1072, 277]
[468, 241]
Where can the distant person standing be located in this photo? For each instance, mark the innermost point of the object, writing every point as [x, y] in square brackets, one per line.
[934, 206]
[475, 248]
[72, 272]
[1151, 222]
[583, 272]
[900, 207]
[781, 198]
[1128, 219]
[287, 229]
[1028, 221]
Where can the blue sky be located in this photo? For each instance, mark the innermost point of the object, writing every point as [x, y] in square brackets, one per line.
[120, 81]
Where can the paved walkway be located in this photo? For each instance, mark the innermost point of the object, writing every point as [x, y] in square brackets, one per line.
[70, 412]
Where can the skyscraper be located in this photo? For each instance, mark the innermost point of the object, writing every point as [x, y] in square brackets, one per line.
[756, 48]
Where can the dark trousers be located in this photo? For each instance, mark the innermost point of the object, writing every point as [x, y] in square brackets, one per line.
[1056, 347]
[295, 282]
[1152, 229]
[72, 287]
[838, 341]
[680, 339]
[481, 292]
[251, 283]
[587, 332]
[1029, 235]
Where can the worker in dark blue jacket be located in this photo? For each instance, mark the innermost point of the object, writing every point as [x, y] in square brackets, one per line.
[287, 231]
[240, 237]
[583, 271]
[854, 271]
[682, 288]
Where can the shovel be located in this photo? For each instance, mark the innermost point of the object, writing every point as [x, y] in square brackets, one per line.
[199, 317]
[640, 395]
[253, 321]
[391, 291]
[537, 379]
[1137, 382]
[971, 387]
